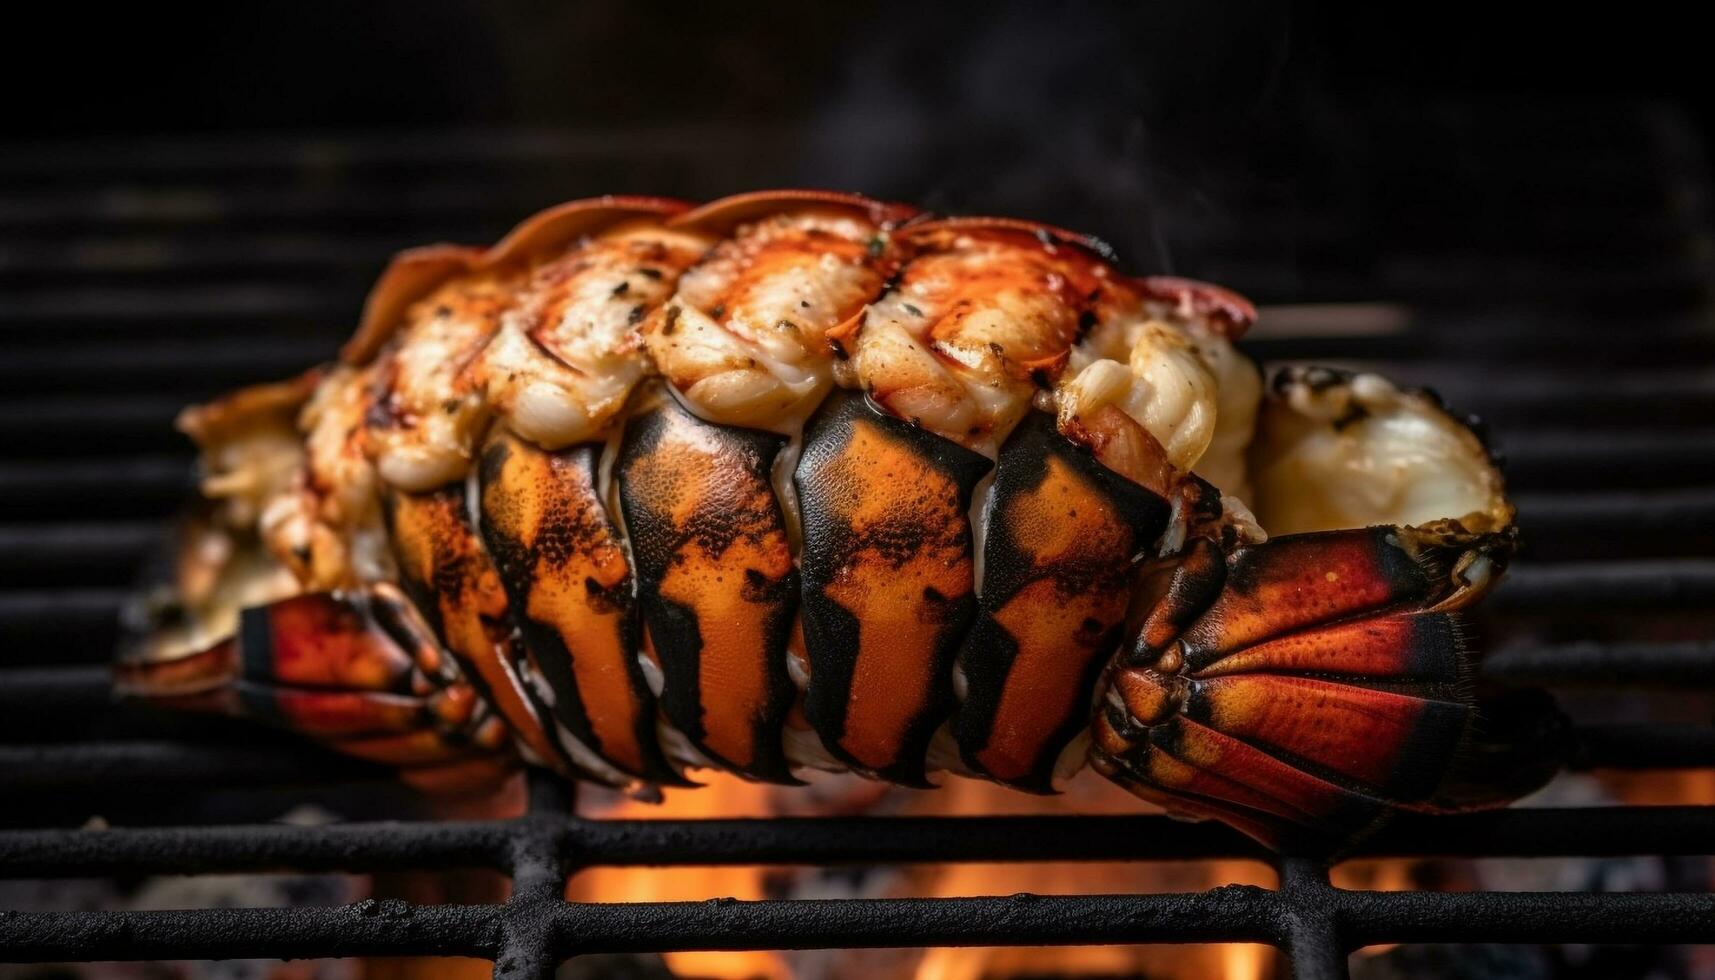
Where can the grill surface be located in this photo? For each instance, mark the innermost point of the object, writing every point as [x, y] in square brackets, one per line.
[1548, 270]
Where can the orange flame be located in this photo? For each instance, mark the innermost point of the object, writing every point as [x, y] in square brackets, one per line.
[727, 796]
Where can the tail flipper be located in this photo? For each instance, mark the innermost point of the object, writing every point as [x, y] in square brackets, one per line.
[356, 671]
[1307, 688]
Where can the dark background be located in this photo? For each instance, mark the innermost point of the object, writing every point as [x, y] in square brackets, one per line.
[1096, 115]
[75, 69]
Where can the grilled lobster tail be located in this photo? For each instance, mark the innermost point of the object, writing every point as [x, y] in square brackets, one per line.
[803, 480]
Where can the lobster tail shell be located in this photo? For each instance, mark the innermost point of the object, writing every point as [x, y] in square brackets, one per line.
[449, 576]
[718, 587]
[888, 581]
[563, 565]
[1063, 540]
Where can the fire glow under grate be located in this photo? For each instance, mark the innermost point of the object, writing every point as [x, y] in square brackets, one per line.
[133, 282]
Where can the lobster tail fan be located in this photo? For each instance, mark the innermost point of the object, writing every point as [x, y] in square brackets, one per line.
[1320, 692]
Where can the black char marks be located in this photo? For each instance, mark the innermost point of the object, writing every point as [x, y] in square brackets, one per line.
[1063, 536]
[716, 581]
[564, 570]
[444, 570]
[888, 590]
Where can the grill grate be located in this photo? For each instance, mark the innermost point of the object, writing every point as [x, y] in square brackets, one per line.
[534, 930]
[1549, 269]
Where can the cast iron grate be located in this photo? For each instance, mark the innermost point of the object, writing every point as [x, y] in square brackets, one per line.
[528, 936]
[1552, 267]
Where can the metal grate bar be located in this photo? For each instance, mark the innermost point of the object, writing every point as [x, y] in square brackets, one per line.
[1609, 586]
[1689, 664]
[1310, 925]
[1512, 917]
[1594, 831]
[366, 929]
[1645, 746]
[157, 766]
[539, 934]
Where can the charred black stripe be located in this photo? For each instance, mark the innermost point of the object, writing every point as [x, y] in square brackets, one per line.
[256, 644]
[258, 700]
[831, 632]
[742, 457]
[447, 577]
[553, 658]
[989, 652]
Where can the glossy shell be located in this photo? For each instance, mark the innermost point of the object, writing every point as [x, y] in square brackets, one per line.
[801, 479]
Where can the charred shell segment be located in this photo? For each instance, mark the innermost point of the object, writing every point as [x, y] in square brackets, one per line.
[981, 319]
[310, 640]
[317, 640]
[1302, 580]
[1336, 449]
[745, 339]
[1195, 770]
[563, 566]
[449, 577]
[888, 581]
[1064, 536]
[569, 353]
[716, 580]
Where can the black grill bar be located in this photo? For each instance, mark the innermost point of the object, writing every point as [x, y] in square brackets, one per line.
[155, 766]
[1309, 923]
[527, 938]
[1646, 746]
[1544, 917]
[385, 846]
[1597, 587]
[1673, 664]
[366, 929]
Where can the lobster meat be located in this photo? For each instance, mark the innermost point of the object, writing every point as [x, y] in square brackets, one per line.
[803, 480]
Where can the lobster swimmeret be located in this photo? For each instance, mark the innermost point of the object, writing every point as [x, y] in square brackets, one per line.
[803, 480]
